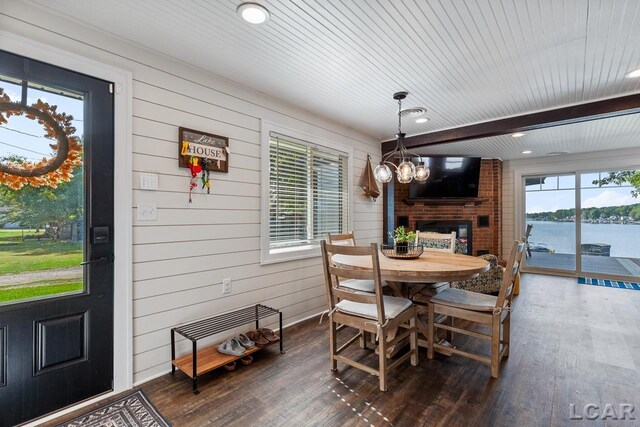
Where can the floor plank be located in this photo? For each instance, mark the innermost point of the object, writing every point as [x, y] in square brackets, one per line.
[571, 344]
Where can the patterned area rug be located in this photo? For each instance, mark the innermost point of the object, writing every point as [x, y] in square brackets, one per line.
[609, 283]
[133, 410]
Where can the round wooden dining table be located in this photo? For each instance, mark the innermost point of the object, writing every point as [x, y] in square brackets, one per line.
[426, 271]
[431, 266]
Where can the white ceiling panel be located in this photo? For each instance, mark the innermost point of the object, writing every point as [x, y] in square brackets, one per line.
[597, 135]
[466, 61]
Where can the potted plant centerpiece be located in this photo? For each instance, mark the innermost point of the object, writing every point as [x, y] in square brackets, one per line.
[402, 238]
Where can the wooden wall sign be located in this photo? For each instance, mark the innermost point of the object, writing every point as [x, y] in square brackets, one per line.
[214, 148]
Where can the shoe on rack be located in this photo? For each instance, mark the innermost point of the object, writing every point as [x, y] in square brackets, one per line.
[257, 337]
[245, 341]
[269, 335]
[232, 347]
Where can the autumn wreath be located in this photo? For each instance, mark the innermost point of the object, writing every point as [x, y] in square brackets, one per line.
[57, 126]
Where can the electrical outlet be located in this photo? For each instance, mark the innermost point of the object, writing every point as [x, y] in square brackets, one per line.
[226, 286]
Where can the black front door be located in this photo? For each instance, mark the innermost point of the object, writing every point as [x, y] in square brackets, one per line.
[56, 238]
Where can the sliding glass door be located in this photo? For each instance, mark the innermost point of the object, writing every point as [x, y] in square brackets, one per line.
[586, 223]
[551, 214]
[610, 226]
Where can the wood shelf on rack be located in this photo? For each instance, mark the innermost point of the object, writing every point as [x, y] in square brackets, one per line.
[467, 201]
[209, 359]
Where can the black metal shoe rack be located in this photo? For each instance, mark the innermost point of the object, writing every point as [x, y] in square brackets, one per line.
[213, 325]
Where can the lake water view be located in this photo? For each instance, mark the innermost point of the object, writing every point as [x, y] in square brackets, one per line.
[560, 237]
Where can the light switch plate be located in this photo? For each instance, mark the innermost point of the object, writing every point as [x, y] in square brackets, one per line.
[147, 212]
[226, 286]
[149, 181]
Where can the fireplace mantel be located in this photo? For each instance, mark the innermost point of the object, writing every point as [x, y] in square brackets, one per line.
[466, 201]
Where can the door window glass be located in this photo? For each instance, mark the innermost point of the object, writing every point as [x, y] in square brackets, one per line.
[610, 226]
[550, 210]
[42, 223]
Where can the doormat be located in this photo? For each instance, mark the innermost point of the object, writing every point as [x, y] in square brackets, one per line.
[609, 283]
[134, 410]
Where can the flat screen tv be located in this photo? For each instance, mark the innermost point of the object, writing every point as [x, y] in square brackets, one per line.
[451, 177]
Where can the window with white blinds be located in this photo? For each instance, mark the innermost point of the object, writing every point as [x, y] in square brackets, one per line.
[308, 192]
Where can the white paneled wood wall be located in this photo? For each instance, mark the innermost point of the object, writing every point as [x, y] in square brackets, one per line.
[513, 170]
[179, 260]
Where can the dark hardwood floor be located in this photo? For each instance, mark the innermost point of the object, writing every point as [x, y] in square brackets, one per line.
[571, 344]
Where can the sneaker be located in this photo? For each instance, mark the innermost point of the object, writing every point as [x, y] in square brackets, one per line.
[232, 347]
[245, 341]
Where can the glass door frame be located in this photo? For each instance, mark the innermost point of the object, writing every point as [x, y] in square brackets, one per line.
[521, 217]
[50, 53]
[523, 224]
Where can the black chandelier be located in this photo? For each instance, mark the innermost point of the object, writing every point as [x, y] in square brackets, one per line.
[406, 171]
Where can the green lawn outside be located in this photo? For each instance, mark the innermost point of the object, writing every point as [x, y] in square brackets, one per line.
[17, 256]
[47, 288]
[10, 235]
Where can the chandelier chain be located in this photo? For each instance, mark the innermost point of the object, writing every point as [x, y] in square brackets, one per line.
[399, 115]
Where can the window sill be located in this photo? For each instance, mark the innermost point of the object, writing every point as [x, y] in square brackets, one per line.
[273, 256]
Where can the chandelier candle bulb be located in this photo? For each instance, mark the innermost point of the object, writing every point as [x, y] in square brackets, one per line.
[406, 172]
[422, 172]
[383, 173]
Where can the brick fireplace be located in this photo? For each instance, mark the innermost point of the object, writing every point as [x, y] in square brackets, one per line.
[481, 218]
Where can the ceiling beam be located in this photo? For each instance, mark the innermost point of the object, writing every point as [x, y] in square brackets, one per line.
[613, 107]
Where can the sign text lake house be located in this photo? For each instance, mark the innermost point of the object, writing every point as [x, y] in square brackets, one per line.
[214, 148]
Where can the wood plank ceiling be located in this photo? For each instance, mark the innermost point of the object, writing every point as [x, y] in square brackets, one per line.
[605, 134]
[465, 61]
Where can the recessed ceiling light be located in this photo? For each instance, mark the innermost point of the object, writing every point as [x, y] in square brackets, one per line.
[557, 153]
[253, 13]
[527, 152]
[422, 120]
[633, 74]
[517, 135]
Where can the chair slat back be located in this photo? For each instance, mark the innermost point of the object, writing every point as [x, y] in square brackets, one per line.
[528, 232]
[346, 239]
[440, 242]
[334, 273]
[511, 273]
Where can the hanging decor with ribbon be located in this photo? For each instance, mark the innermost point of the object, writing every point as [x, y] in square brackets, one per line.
[202, 153]
[368, 182]
[15, 174]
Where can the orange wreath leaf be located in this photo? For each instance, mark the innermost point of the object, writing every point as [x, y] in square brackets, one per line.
[57, 126]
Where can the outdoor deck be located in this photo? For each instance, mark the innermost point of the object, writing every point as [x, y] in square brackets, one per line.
[590, 263]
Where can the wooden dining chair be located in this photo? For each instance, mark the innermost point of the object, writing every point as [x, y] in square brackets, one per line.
[478, 308]
[441, 242]
[527, 234]
[348, 239]
[373, 313]
[435, 242]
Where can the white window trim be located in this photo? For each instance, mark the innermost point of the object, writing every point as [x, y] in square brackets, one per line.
[307, 251]
[123, 299]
